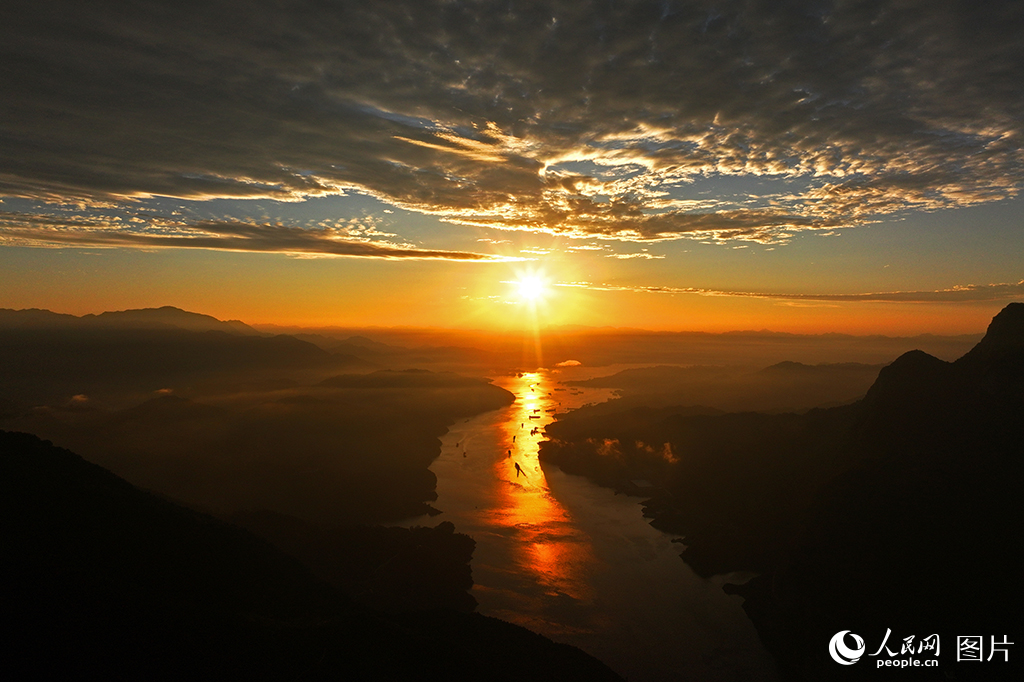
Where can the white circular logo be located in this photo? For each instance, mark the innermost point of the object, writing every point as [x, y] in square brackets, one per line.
[841, 653]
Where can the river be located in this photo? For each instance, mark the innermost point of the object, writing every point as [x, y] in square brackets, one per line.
[576, 562]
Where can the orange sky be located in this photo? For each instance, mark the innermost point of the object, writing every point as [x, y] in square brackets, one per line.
[277, 289]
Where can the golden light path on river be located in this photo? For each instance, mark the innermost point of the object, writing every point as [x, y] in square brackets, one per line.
[550, 548]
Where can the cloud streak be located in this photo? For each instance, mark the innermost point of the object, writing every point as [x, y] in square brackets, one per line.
[33, 230]
[580, 119]
[958, 294]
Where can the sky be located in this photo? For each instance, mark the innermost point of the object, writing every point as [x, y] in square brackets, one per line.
[798, 166]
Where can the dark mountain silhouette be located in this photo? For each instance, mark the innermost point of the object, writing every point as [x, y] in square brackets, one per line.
[166, 317]
[169, 316]
[900, 511]
[52, 361]
[1003, 341]
[790, 368]
[920, 535]
[100, 580]
[36, 318]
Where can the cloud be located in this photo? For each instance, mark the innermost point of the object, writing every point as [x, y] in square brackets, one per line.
[35, 230]
[957, 294]
[628, 256]
[579, 119]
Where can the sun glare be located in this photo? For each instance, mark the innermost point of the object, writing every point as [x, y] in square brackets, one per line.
[531, 288]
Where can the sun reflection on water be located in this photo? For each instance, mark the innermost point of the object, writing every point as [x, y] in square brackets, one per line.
[548, 545]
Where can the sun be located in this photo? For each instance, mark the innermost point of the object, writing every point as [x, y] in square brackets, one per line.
[531, 288]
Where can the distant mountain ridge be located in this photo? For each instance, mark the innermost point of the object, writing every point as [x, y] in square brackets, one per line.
[50, 357]
[142, 318]
[174, 317]
[782, 387]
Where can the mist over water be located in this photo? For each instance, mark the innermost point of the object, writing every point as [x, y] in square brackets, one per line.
[576, 562]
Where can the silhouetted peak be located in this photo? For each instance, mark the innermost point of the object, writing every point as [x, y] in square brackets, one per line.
[915, 361]
[907, 377]
[922, 404]
[1009, 323]
[788, 366]
[1005, 336]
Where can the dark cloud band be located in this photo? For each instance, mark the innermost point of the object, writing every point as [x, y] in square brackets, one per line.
[29, 230]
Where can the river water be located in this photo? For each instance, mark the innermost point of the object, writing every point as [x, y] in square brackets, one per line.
[578, 563]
